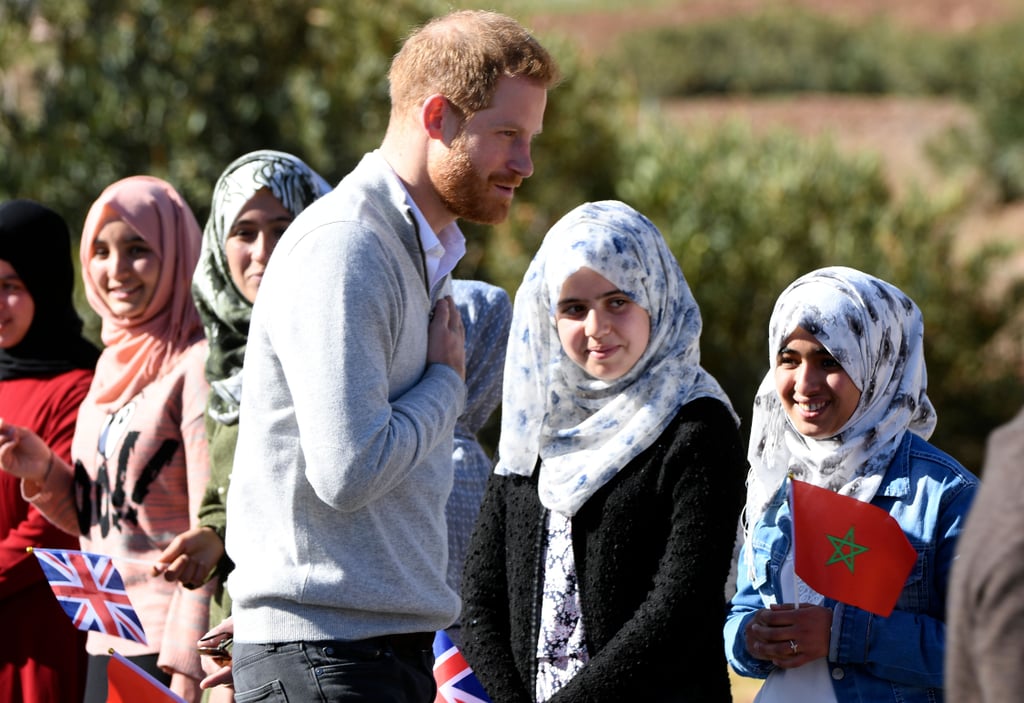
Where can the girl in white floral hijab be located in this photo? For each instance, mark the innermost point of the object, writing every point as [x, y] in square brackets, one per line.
[584, 429]
[618, 486]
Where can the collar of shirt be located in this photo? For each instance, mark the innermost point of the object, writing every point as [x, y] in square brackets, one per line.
[441, 250]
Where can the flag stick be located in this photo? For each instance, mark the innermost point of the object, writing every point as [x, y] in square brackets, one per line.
[796, 579]
[129, 560]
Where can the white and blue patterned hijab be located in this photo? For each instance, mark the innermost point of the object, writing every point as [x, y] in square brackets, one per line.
[876, 333]
[584, 430]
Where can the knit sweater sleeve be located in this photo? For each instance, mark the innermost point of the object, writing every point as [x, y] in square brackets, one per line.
[486, 621]
[363, 345]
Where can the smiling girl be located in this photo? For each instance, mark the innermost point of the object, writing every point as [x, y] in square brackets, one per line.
[599, 560]
[845, 407]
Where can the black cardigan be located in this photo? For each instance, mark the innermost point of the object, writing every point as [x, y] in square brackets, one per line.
[652, 549]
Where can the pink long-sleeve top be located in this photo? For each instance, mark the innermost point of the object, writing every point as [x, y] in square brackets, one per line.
[138, 477]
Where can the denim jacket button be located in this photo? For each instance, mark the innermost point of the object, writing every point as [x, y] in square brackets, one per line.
[838, 673]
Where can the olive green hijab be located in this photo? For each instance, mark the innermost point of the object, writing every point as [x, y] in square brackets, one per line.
[224, 310]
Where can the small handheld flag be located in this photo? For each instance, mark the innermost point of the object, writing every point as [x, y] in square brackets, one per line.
[128, 683]
[849, 550]
[91, 591]
[456, 682]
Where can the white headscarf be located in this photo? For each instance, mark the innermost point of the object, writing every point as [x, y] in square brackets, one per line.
[876, 333]
[584, 429]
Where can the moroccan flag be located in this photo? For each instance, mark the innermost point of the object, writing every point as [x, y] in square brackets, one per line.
[456, 682]
[91, 591]
[127, 683]
[849, 550]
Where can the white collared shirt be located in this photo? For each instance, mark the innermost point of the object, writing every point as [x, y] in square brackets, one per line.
[441, 250]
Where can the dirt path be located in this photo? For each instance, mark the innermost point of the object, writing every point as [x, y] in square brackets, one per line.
[594, 29]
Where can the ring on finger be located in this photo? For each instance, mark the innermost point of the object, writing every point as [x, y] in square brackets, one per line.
[793, 647]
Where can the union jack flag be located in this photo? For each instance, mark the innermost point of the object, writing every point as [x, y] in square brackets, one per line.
[91, 591]
[456, 682]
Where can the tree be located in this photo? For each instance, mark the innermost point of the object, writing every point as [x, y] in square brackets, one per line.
[179, 89]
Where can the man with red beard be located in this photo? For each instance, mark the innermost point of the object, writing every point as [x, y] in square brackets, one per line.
[354, 379]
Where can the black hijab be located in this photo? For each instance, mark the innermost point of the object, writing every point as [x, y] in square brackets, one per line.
[35, 241]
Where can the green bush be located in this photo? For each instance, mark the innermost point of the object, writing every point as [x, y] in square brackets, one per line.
[998, 92]
[179, 89]
[789, 51]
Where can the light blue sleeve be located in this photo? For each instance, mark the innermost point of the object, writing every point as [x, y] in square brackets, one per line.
[745, 603]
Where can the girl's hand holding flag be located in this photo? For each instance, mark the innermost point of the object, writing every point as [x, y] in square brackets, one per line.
[788, 635]
[868, 573]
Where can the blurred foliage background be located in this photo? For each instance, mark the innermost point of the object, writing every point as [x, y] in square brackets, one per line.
[92, 92]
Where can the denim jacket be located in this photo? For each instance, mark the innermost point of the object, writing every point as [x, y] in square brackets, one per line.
[872, 658]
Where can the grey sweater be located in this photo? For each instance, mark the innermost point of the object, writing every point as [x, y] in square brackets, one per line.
[344, 460]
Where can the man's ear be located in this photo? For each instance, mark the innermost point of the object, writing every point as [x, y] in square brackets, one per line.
[440, 120]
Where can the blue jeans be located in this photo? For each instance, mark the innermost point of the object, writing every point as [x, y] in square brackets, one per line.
[384, 670]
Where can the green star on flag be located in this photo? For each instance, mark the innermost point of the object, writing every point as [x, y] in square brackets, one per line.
[866, 567]
[846, 549]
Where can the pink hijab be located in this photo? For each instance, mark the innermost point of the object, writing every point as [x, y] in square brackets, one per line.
[140, 350]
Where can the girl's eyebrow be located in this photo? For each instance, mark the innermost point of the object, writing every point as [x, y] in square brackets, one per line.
[132, 238]
[279, 218]
[601, 296]
[817, 351]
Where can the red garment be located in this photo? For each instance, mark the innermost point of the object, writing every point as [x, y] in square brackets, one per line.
[42, 655]
[129, 683]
